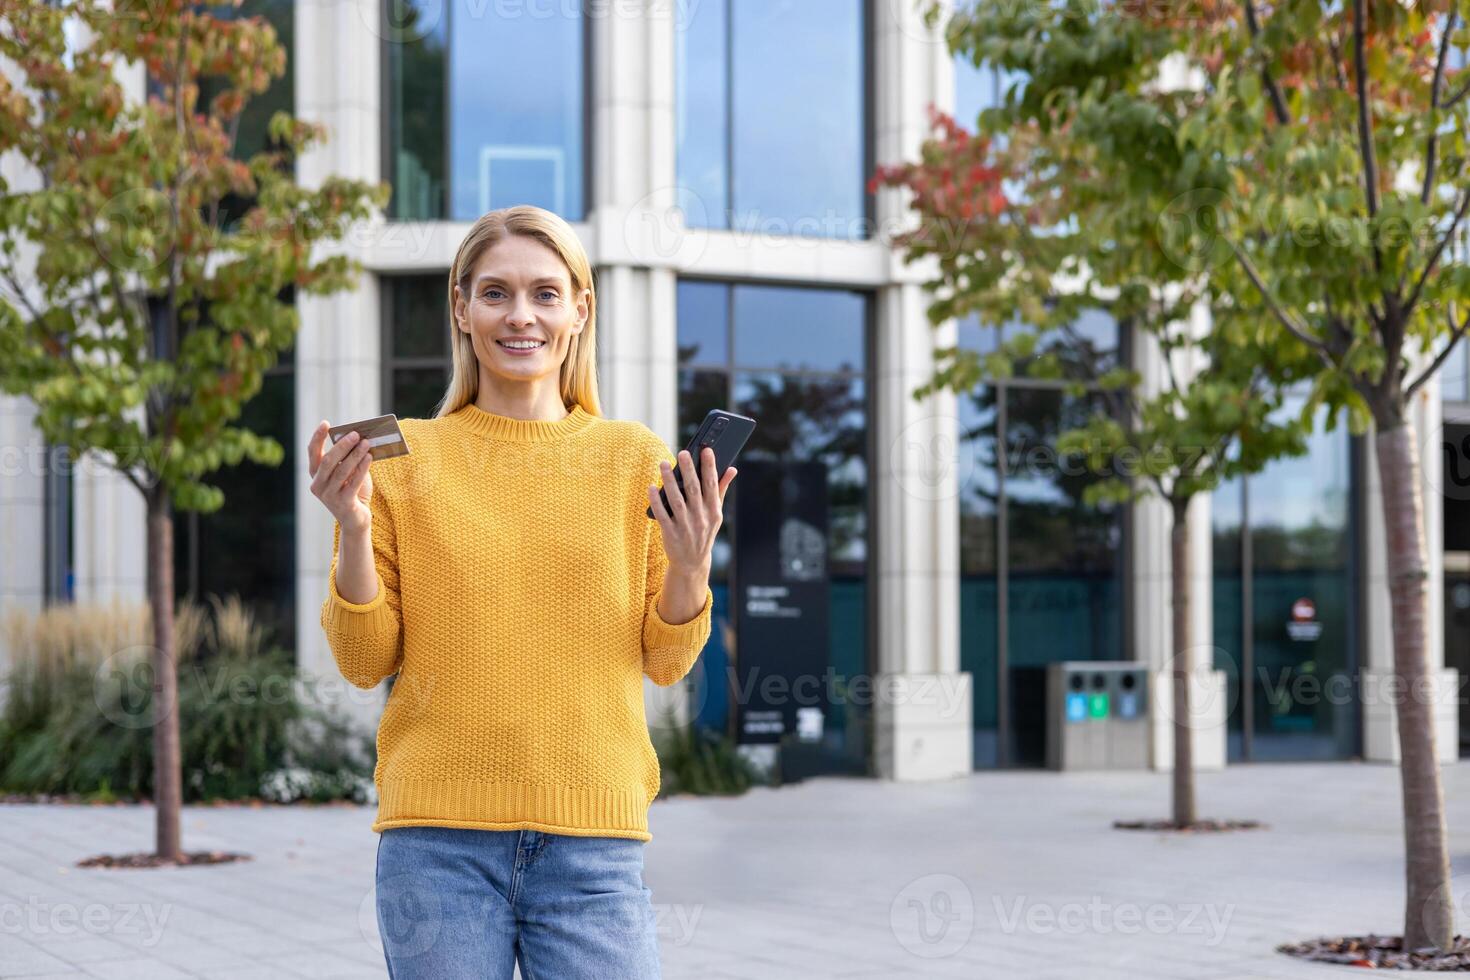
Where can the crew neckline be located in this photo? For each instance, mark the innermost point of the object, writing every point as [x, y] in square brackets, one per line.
[509, 429]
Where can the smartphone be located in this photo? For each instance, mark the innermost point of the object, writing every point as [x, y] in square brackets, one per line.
[725, 433]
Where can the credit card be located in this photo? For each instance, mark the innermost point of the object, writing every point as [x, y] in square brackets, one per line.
[383, 435]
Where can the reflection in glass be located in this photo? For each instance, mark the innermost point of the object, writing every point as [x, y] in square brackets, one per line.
[515, 118]
[248, 547]
[1064, 568]
[746, 160]
[417, 64]
[1227, 614]
[798, 329]
[510, 141]
[1300, 542]
[976, 466]
[419, 308]
[704, 322]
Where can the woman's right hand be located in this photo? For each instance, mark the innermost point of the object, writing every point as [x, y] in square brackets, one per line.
[340, 477]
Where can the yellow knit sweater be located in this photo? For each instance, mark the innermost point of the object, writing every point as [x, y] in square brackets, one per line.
[518, 583]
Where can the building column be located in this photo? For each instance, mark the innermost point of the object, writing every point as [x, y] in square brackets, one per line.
[633, 188]
[1378, 691]
[923, 701]
[338, 346]
[1152, 587]
[22, 516]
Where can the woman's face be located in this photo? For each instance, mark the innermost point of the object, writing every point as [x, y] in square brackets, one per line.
[520, 291]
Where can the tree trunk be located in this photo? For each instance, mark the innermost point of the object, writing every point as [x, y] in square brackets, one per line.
[167, 778]
[1183, 667]
[1429, 911]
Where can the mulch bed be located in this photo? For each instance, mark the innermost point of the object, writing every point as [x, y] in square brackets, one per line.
[1198, 827]
[144, 860]
[1381, 953]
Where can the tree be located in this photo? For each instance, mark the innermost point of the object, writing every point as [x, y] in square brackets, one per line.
[1301, 169]
[134, 315]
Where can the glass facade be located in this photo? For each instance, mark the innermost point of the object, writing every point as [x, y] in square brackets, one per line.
[467, 133]
[746, 160]
[1284, 574]
[1041, 571]
[796, 360]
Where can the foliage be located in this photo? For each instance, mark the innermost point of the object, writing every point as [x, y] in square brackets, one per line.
[134, 315]
[693, 759]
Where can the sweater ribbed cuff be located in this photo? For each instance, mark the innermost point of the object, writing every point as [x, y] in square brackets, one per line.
[358, 618]
[658, 634]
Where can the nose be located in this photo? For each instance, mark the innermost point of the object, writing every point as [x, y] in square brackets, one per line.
[520, 313]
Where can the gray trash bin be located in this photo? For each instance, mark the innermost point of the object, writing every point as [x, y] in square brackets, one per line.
[1097, 715]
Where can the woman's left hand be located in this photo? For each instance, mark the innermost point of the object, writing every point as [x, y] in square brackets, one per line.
[689, 532]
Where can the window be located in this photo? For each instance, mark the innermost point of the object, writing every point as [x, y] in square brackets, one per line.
[416, 357]
[772, 117]
[485, 108]
[1041, 570]
[794, 359]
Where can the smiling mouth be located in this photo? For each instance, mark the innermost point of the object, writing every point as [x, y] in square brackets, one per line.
[522, 344]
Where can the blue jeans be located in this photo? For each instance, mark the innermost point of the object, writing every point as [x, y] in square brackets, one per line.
[460, 904]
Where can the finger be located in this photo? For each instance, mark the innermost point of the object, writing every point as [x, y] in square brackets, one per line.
[344, 480]
[359, 471]
[314, 447]
[660, 513]
[677, 510]
[327, 476]
[725, 482]
[691, 479]
[707, 476]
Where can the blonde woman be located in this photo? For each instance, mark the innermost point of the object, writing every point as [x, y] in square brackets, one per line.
[507, 572]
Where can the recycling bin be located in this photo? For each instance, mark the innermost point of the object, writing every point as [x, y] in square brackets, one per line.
[1097, 715]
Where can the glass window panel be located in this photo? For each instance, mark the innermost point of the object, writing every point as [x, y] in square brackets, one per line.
[248, 547]
[703, 118]
[1300, 542]
[417, 66]
[799, 329]
[419, 307]
[1454, 381]
[516, 119]
[799, 172]
[418, 391]
[1064, 599]
[979, 622]
[704, 321]
[1226, 512]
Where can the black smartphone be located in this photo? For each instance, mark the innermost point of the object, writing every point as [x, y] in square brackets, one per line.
[725, 433]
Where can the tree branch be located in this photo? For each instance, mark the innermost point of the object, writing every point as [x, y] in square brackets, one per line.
[1365, 121]
[1297, 330]
[1456, 332]
[1431, 151]
[1439, 248]
[1278, 102]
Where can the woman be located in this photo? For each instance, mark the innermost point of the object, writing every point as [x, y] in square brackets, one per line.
[506, 571]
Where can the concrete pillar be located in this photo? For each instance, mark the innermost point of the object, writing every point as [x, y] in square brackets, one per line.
[923, 703]
[633, 185]
[1380, 730]
[338, 348]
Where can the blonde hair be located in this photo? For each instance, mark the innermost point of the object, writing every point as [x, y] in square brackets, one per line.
[578, 381]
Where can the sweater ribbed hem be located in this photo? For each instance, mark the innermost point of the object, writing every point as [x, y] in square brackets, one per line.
[576, 810]
[509, 429]
[658, 634]
[357, 618]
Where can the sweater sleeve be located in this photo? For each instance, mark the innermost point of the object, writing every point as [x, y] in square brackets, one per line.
[669, 649]
[367, 638]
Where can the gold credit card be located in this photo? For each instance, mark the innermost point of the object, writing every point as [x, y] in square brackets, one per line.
[383, 435]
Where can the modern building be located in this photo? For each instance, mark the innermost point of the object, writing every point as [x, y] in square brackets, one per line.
[960, 561]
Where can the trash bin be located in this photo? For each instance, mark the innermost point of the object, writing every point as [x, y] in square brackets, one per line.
[1097, 715]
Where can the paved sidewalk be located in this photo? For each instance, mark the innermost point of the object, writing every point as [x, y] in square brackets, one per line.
[999, 875]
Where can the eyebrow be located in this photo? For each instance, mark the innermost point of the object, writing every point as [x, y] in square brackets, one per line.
[486, 277]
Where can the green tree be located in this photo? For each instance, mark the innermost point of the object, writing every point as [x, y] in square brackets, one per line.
[1301, 168]
[134, 315]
